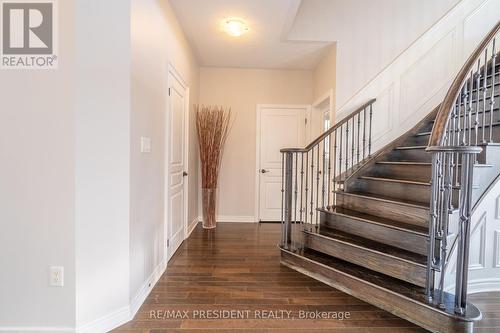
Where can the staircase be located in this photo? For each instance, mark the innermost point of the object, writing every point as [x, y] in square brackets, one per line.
[383, 226]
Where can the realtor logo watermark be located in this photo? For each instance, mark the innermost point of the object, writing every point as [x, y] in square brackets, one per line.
[29, 34]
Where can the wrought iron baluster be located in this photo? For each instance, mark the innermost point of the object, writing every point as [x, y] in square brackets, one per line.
[340, 152]
[306, 197]
[311, 213]
[323, 174]
[370, 132]
[329, 169]
[478, 83]
[485, 92]
[318, 173]
[364, 133]
[469, 108]
[353, 145]
[492, 99]
[465, 107]
[346, 149]
[334, 178]
[301, 190]
[296, 191]
[359, 128]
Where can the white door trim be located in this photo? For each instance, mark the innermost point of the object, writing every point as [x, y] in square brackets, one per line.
[257, 146]
[172, 72]
[327, 97]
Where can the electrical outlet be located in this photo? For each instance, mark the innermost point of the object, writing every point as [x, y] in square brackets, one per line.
[57, 276]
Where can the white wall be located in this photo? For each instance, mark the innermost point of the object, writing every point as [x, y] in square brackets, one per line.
[37, 189]
[369, 34]
[102, 154]
[325, 74]
[157, 40]
[242, 90]
[417, 80]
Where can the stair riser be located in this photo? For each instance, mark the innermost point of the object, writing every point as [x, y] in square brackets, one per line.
[398, 238]
[423, 140]
[419, 173]
[427, 127]
[481, 100]
[488, 84]
[379, 262]
[393, 211]
[411, 155]
[405, 191]
[394, 303]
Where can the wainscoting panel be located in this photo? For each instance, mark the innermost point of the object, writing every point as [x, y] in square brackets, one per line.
[415, 82]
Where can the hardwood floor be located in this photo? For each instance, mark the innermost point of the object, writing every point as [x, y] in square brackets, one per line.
[236, 269]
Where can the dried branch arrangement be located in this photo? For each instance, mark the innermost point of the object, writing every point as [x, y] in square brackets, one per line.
[212, 126]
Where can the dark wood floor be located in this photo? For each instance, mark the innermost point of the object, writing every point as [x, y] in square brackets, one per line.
[236, 267]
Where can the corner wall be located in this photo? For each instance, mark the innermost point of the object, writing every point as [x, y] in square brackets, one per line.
[157, 40]
[102, 156]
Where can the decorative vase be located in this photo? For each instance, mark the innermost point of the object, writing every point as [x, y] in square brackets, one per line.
[209, 197]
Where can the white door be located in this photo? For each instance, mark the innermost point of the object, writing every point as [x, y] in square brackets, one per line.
[176, 175]
[280, 127]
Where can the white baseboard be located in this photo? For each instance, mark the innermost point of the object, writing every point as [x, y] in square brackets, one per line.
[233, 219]
[192, 226]
[106, 323]
[127, 313]
[37, 329]
[146, 288]
[478, 286]
[481, 286]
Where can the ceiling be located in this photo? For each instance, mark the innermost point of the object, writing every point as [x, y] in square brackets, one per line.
[294, 34]
[264, 46]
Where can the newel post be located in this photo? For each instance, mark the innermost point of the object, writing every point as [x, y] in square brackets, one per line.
[287, 225]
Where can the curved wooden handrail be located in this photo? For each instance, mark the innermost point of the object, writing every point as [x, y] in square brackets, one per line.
[439, 129]
[330, 130]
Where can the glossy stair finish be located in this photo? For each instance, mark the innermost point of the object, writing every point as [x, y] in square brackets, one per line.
[382, 230]
[402, 299]
[382, 258]
[380, 206]
[394, 188]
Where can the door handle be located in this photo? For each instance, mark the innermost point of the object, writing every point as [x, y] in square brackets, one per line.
[184, 174]
[264, 171]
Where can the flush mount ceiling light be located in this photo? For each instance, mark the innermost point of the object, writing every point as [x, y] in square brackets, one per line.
[235, 27]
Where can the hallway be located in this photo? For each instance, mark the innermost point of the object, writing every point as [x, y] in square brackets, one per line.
[237, 268]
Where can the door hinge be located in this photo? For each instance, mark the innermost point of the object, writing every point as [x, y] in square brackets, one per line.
[305, 121]
[168, 242]
[169, 91]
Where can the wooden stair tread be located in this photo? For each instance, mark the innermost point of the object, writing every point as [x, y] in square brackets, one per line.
[410, 163]
[410, 147]
[373, 246]
[378, 220]
[394, 180]
[403, 163]
[496, 123]
[380, 281]
[385, 198]
[385, 281]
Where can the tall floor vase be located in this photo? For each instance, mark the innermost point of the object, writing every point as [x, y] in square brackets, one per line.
[209, 201]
